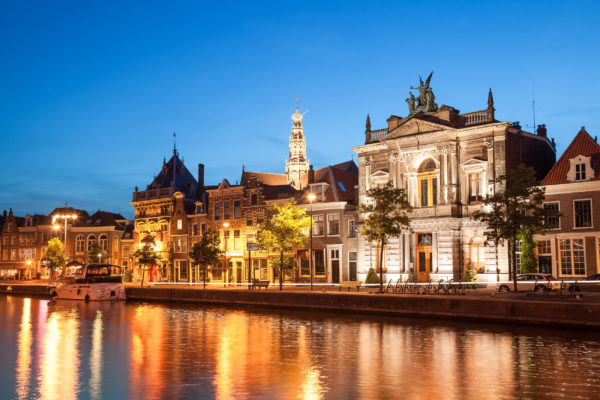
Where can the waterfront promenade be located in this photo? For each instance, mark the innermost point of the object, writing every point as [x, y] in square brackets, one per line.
[483, 305]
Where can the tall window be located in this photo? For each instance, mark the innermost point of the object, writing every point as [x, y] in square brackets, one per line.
[103, 242]
[580, 172]
[226, 205]
[352, 265]
[583, 213]
[351, 228]
[572, 257]
[304, 262]
[552, 222]
[474, 187]
[217, 211]
[253, 199]
[476, 253]
[333, 224]
[236, 210]
[319, 263]
[126, 251]
[237, 242]
[90, 239]
[79, 244]
[427, 184]
[195, 229]
[318, 225]
[180, 244]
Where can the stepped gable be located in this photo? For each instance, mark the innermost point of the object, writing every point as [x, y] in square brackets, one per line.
[583, 144]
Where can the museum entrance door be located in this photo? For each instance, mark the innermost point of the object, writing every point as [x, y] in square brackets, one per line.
[423, 252]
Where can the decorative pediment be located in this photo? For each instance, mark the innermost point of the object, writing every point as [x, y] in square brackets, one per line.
[474, 163]
[224, 184]
[380, 176]
[414, 126]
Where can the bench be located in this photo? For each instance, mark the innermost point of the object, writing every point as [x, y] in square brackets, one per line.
[258, 284]
[349, 285]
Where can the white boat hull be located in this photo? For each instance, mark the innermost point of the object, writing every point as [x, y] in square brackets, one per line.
[91, 291]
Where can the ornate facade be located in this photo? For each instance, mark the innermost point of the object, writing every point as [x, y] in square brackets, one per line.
[297, 165]
[446, 162]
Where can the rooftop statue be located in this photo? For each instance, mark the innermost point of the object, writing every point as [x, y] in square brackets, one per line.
[426, 100]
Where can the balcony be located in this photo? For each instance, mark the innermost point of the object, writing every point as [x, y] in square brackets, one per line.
[153, 194]
[375, 136]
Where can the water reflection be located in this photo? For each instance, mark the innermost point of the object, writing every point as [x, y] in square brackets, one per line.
[77, 350]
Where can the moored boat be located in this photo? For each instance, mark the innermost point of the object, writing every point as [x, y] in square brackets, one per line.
[92, 282]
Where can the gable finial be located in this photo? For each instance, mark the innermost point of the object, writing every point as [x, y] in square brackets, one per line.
[490, 99]
[174, 143]
[368, 124]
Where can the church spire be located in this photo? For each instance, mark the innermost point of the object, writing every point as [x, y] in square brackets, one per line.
[368, 125]
[297, 164]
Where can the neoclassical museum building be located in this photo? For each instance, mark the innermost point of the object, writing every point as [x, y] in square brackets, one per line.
[447, 162]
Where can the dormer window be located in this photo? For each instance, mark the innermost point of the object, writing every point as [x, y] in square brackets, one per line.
[580, 169]
[320, 190]
[580, 172]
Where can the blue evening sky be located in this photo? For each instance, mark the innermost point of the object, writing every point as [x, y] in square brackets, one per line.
[91, 92]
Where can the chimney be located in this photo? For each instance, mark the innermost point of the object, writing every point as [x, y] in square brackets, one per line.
[201, 182]
[541, 130]
[517, 125]
[311, 174]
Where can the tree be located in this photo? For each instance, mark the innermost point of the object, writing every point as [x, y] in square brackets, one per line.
[94, 252]
[528, 258]
[146, 254]
[285, 226]
[386, 215]
[371, 277]
[206, 251]
[516, 208]
[55, 255]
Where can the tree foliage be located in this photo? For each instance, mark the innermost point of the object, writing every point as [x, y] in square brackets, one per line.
[386, 214]
[371, 276]
[146, 255]
[285, 226]
[518, 207]
[94, 252]
[207, 251]
[528, 258]
[55, 255]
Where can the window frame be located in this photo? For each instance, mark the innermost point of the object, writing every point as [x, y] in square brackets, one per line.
[329, 232]
[575, 214]
[557, 217]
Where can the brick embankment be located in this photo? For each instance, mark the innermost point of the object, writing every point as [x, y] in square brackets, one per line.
[476, 308]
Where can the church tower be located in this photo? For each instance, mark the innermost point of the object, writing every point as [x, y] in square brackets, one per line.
[297, 164]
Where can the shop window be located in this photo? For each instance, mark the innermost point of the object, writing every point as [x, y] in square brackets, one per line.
[572, 257]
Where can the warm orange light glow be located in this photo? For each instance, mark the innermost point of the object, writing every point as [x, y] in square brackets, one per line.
[55, 227]
[225, 224]
[28, 262]
[311, 197]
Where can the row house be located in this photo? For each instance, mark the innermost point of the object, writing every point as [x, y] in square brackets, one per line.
[447, 162]
[570, 249]
[24, 240]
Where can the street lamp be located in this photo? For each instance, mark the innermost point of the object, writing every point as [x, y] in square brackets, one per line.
[311, 197]
[64, 217]
[225, 239]
[28, 265]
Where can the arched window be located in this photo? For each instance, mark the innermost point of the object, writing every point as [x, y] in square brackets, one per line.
[428, 183]
[90, 240]
[103, 242]
[79, 244]
[476, 253]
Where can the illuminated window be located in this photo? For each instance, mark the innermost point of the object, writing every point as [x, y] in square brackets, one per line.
[180, 244]
[90, 240]
[103, 242]
[179, 224]
[572, 257]
[236, 239]
[477, 254]
[427, 184]
[333, 224]
[474, 187]
[79, 244]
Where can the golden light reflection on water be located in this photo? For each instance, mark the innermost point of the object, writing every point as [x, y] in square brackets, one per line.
[59, 366]
[96, 358]
[196, 352]
[24, 352]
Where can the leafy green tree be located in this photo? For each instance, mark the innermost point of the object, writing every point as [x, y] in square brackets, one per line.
[94, 254]
[288, 264]
[55, 255]
[285, 226]
[385, 215]
[469, 275]
[528, 258]
[518, 207]
[371, 277]
[206, 251]
[146, 255]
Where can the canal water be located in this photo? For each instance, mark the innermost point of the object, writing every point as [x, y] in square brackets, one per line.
[73, 350]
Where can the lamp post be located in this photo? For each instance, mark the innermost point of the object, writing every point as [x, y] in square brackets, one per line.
[311, 197]
[64, 217]
[225, 239]
[28, 266]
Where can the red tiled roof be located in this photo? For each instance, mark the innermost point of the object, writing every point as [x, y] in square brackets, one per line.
[267, 178]
[341, 183]
[583, 145]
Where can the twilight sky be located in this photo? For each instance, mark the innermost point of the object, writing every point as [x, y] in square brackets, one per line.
[91, 92]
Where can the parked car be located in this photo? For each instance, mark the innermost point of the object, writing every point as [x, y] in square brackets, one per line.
[531, 282]
[589, 284]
